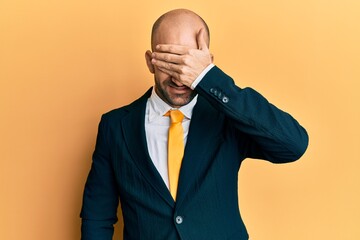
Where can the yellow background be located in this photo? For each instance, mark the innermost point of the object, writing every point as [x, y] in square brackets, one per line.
[65, 62]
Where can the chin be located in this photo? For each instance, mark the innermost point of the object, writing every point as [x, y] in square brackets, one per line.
[179, 101]
[174, 99]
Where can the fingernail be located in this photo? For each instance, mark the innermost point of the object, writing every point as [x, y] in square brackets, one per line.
[157, 46]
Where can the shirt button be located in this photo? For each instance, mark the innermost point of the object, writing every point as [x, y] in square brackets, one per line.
[179, 220]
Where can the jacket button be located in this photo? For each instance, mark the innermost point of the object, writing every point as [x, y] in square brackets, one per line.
[179, 220]
[225, 99]
[214, 91]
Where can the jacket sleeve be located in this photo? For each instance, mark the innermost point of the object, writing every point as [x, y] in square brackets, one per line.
[275, 135]
[100, 199]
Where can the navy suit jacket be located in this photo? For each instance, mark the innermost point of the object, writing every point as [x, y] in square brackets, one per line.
[228, 125]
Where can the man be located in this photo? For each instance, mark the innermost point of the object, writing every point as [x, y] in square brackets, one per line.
[219, 125]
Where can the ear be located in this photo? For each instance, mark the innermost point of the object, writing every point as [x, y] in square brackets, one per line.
[148, 61]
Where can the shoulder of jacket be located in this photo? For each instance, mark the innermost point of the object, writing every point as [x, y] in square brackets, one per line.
[119, 113]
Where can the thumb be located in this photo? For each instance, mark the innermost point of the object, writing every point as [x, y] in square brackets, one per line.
[200, 38]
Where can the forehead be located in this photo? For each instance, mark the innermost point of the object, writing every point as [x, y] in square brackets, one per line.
[178, 37]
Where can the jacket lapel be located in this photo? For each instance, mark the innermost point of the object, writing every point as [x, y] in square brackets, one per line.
[204, 136]
[133, 127]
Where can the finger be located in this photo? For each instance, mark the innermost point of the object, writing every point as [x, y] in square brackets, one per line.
[167, 57]
[166, 65]
[170, 73]
[200, 38]
[171, 48]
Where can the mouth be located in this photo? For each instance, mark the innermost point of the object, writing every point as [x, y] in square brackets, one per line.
[179, 89]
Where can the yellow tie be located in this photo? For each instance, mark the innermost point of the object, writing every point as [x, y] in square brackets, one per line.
[175, 149]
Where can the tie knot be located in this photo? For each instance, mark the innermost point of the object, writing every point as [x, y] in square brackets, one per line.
[176, 116]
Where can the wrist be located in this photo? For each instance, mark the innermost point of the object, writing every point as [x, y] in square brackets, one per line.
[201, 76]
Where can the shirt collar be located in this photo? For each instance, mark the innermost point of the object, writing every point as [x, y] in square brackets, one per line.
[157, 107]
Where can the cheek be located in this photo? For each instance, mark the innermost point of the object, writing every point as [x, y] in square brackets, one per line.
[161, 76]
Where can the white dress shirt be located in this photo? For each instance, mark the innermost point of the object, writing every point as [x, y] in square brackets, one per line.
[157, 127]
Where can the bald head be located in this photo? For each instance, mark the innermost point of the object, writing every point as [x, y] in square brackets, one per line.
[178, 27]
